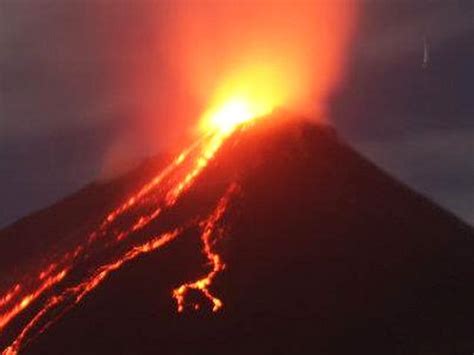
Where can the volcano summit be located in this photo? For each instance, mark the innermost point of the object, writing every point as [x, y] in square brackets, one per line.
[276, 237]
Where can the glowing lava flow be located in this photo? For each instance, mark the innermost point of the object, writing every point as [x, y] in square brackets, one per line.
[9, 295]
[159, 194]
[214, 259]
[53, 292]
[75, 294]
[15, 301]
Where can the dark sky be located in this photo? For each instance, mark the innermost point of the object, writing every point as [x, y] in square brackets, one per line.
[75, 76]
[416, 123]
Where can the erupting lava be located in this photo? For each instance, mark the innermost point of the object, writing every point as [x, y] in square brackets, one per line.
[273, 60]
[209, 228]
[52, 292]
[232, 114]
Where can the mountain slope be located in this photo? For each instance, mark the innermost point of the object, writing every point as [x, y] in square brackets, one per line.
[324, 253]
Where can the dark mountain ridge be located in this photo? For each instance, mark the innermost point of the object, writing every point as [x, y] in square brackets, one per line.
[325, 253]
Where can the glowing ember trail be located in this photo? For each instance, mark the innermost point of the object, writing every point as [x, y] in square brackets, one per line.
[54, 291]
[74, 295]
[214, 259]
[292, 56]
[9, 295]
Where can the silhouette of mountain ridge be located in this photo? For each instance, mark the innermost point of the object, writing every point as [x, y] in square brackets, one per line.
[324, 252]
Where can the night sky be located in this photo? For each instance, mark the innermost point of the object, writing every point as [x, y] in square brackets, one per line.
[75, 76]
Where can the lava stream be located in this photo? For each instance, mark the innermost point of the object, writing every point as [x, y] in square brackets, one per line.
[162, 192]
[9, 295]
[74, 294]
[214, 259]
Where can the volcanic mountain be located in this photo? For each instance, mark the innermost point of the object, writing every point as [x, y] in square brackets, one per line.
[306, 247]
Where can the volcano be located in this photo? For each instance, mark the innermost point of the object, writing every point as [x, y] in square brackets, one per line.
[286, 241]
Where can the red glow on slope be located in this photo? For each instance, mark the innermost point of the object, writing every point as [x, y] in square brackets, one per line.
[214, 259]
[288, 55]
[160, 194]
[76, 293]
[9, 295]
[27, 299]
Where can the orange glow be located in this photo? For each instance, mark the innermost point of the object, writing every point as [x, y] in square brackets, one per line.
[27, 299]
[240, 60]
[252, 56]
[137, 212]
[232, 114]
[214, 259]
[251, 93]
[9, 295]
[75, 294]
